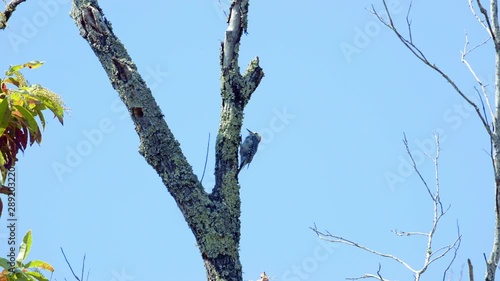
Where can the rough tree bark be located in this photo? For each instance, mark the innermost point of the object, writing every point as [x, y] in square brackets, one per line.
[9, 9]
[213, 218]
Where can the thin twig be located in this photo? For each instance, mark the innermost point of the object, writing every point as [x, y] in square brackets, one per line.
[76, 277]
[408, 22]
[83, 266]
[487, 19]
[471, 6]
[482, 104]
[454, 253]
[378, 272]
[479, 81]
[438, 212]
[407, 233]
[475, 47]
[490, 154]
[206, 159]
[337, 239]
[420, 55]
[221, 6]
[437, 196]
[368, 275]
[405, 141]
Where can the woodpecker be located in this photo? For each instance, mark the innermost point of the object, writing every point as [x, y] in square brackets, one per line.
[248, 148]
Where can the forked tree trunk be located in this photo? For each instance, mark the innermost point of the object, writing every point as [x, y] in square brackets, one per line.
[213, 218]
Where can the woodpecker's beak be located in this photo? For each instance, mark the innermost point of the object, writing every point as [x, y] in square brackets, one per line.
[249, 131]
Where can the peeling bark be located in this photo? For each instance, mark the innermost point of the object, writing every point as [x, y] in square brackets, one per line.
[213, 218]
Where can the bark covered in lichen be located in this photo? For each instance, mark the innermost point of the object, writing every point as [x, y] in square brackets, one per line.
[213, 218]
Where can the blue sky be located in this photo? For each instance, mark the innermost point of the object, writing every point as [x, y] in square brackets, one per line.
[332, 123]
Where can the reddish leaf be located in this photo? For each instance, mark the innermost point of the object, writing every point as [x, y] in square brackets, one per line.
[22, 138]
[5, 190]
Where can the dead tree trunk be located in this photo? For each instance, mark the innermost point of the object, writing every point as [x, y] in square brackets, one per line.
[213, 218]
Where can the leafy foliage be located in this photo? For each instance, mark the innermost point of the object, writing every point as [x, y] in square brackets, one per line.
[21, 271]
[21, 104]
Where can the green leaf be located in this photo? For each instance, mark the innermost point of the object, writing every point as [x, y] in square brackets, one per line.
[12, 80]
[16, 98]
[5, 114]
[13, 69]
[34, 130]
[37, 275]
[25, 248]
[42, 118]
[23, 277]
[39, 264]
[4, 263]
[50, 100]
[33, 64]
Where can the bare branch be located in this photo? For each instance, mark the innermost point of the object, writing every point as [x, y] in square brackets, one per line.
[494, 30]
[405, 141]
[455, 252]
[438, 212]
[408, 233]
[487, 19]
[448, 248]
[83, 266]
[481, 21]
[471, 270]
[420, 55]
[378, 272]
[368, 275]
[9, 9]
[157, 145]
[408, 22]
[337, 239]
[66, 259]
[437, 197]
[464, 53]
[482, 105]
